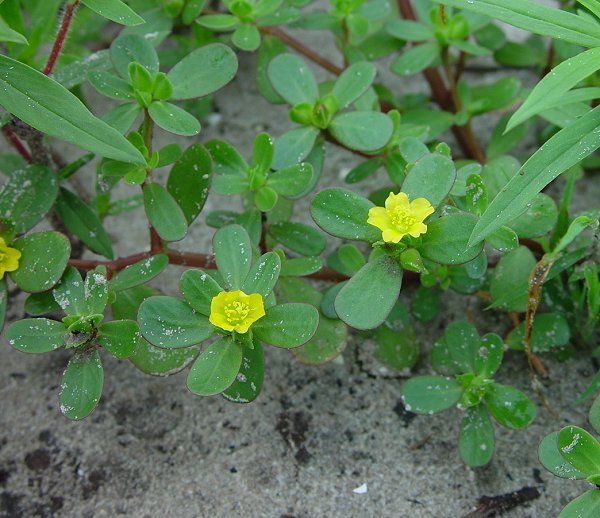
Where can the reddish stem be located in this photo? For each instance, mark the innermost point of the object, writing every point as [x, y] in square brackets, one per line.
[443, 97]
[60, 36]
[16, 143]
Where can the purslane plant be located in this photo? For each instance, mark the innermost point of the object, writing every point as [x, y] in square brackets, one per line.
[471, 218]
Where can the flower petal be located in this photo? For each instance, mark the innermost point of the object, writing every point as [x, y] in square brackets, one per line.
[391, 235]
[396, 200]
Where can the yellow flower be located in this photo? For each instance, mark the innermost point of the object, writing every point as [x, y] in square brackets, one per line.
[400, 217]
[236, 311]
[9, 258]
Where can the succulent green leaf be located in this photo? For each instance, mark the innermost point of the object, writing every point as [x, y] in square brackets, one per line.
[476, 440]
[203, 71]
[298, 237]
[353, 82]
[36, 335]
[554, 462]
[294, 146]
[246, 37]
[171, 323]
[430, 394]
[81, 385]
[173, 119]
[27, 195]
[415, 59]
[216, 368]
[119, 337]
[287, 325]
[139, 273]
[291, 181]
[362, 130]
[198, 289]
[292, 79]
[263, 275]
[344, 214]
[164, 213]
[83, 222]
[132, 48]
[43, 260]
[249, 379]
[509, 406]
[580, 449]
[431, 177]
[446, 239]
[584, 506]
[369, 296]
[189, 181]
[114, 10]
[233, 254]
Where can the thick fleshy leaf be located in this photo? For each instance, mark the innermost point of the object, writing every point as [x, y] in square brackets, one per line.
[133, 48]
[476, 440]
[368, 297]
[249, 380]
[431, 177]
[287, 325]
[69, 293]
[397, 349]
[353, 82]
[489, 355]
[114, 10]
[44, 257]
[549, 331]
[291, 181]
[509, 406]
[27, 195]
[164, 213]
[429, 394]
[263, 275]
[171, 323]
[189, 181]
[95, 289]
[292, 79]
[146, 357]
[344, 214]
[198, 289]
[36, 335]
[328, 342]
[216, 368]
[122, 117]
[554, 462]
[362, 130]
[298, 237]
[81, 385]
[233, 254]
[415, 59]
[508, 284]
[580, 449]
[162, 362]
[83, 222]
[50, 108]
[173, 119]
[565, 149]
[203, 71]
[584, 506]
[294, 146]
[246, 37]
[119, 337]
[446, 239]
[139, 273]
